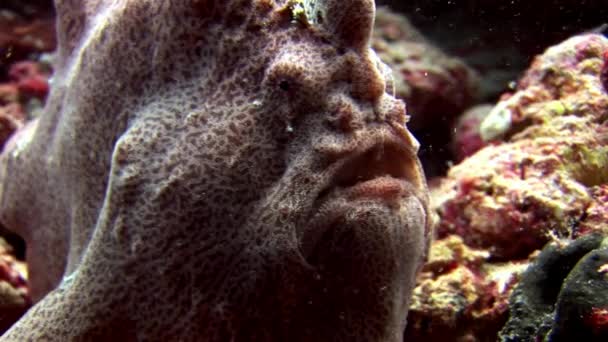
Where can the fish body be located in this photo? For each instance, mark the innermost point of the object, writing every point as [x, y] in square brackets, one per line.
[217, 171]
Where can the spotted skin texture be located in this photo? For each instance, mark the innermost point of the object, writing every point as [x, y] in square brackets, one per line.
[216, 170]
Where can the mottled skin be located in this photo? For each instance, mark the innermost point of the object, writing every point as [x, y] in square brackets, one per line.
[216, 170]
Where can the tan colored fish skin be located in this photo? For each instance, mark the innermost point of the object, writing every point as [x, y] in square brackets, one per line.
[208, 170]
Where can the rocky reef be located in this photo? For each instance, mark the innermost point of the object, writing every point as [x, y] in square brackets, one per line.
[548, 158]
[466, 136]
[563, 295]
[461, 295]
[22, 95]
[541, 177]
[14, 292]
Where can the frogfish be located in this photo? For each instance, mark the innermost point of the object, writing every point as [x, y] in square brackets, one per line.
[217, 170]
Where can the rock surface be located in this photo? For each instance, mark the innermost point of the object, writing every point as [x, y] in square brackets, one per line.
[549, 157]
[541, 177]
[563, 296]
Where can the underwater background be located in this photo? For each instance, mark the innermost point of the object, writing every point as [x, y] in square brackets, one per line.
[509, 100]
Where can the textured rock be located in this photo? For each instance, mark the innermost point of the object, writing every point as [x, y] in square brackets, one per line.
[496, 37]
[460, 294]
[563, 296]
[541, 177]
[545, 171]
[21, 96]
[217, 170]
[14, 293]
[466, 137]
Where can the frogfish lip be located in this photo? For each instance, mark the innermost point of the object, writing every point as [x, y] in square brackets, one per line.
[380, 176]
[385, 169]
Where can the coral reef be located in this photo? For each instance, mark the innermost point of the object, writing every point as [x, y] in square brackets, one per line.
[31, 79]
[563, 296]
[14, 294]
[26, 32]
[22, 96]
[466, 136]
[231, 178]
[541, 178]
[460, 296]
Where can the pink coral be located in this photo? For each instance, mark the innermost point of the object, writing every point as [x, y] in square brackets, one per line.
[21, 95]
[542, 176]
[30, 78]
[466, 138]
[537, 182]
[460, 295]
[598, 320]
[14, 292]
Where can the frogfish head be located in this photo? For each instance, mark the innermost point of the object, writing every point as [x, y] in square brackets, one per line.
[259, 144]
[348, 196]
[323, 171]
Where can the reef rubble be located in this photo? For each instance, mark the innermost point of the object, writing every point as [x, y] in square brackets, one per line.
[540, 176]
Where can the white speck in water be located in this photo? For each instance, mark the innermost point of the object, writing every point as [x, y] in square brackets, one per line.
[257, 103]
[289, 128]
